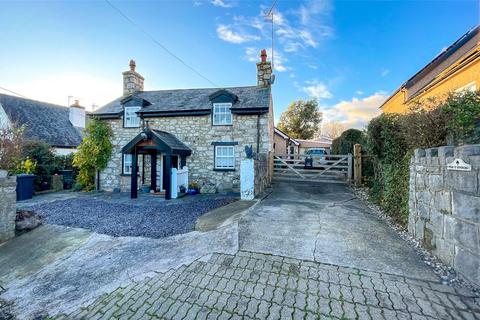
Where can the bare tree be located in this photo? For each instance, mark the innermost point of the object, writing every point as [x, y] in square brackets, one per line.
[333, 129]
[11, 142]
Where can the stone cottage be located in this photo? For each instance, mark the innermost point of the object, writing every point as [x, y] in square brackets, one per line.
[205, 130]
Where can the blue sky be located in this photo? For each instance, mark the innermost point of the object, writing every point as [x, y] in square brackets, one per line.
[347, 54]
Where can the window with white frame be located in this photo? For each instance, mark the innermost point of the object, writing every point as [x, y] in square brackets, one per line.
[130, 118]
[127, 164]
[224, 157]
[222, 115]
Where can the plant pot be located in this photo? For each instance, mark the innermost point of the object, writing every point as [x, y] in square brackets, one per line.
[3, 173]
[145, 189]
[192, 192]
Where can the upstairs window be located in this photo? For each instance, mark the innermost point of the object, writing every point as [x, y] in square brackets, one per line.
[130, 118]
[127, 164]
[225, 157]
[222, 115]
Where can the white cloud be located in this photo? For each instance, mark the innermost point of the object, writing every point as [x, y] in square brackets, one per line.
[359, 92]
[317, 90]
[225, 33]
[221, 3]
[357, 112]
[384, 72]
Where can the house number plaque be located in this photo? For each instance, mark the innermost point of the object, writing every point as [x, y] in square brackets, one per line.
[459, 165]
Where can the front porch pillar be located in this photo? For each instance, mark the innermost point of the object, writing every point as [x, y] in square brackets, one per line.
[134, 176]
[168, 177]
[153, 171]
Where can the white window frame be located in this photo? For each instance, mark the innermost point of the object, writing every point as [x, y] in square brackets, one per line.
[127, 165]
[222, 114]
[217, 157]
[131, 121]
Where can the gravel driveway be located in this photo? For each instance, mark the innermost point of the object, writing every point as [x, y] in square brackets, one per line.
[152, 219]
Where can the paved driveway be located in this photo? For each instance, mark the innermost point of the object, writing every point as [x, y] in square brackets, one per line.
[302, 253]
[326, 223]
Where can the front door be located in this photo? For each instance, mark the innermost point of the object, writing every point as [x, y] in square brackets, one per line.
[164, 169]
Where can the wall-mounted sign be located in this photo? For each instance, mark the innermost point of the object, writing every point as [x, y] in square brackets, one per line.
[459, 165]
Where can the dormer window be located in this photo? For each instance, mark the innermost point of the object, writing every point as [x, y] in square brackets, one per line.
[222, 115]
[131, 118]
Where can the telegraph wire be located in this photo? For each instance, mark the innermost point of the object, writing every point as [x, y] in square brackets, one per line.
[132, 22]
[15, 93]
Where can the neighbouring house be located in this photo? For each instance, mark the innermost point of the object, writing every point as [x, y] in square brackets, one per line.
[61, 127]
[284, 144]
[321, 142]
[455, 69]
[202, 130]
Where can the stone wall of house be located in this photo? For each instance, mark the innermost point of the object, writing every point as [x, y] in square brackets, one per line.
[444, 207]
[7, 208]
[198, 134]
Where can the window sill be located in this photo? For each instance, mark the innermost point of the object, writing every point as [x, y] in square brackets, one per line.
[125, 174]
[131, 127]
[222, 125]
[218, 169]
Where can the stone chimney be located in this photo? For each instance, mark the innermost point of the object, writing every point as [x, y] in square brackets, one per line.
[264, 71]
[132, 81]
[77, 115]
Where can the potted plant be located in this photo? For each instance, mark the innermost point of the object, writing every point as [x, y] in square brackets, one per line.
[193, 188]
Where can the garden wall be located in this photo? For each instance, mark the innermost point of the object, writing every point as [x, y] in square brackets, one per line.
[444, 206]
[7, 208]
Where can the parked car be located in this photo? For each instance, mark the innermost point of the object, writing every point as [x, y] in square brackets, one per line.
[318, 155]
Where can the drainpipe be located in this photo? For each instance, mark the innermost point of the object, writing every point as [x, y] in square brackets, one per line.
[258, 135]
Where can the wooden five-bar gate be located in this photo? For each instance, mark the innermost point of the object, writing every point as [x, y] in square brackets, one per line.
[316, 168]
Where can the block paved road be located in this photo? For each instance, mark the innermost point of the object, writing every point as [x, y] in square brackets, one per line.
[306, 252]
[258, 286]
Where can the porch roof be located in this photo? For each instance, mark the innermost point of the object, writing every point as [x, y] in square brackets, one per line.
[151, 139]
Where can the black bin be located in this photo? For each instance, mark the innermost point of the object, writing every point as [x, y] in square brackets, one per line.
[308, 162]
[25, 186]
[68, 180]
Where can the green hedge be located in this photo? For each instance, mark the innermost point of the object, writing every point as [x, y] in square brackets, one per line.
[391, 139]
[344, 144]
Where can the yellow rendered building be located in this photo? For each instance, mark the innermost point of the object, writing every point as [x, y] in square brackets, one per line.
[455, 69]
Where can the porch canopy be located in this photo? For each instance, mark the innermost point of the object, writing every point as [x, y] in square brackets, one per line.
[153, 142]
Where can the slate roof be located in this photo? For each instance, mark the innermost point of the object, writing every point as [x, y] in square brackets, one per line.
[43, 121]
[180, 100]
[171, 140]
[166, 142]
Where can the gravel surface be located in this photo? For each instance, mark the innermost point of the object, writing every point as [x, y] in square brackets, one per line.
[153, 220]
[448, 275]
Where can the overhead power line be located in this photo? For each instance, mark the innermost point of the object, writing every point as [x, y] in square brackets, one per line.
[132, 22]
[18, 94]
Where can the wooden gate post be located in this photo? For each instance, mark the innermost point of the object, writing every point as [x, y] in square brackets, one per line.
[357, 171]
[350, 168]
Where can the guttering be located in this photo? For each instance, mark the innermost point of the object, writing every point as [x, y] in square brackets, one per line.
[250, 110]
[106, 115]
[174, 113]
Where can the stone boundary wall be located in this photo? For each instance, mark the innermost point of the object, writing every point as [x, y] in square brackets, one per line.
[8, 211]
[444, 207]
